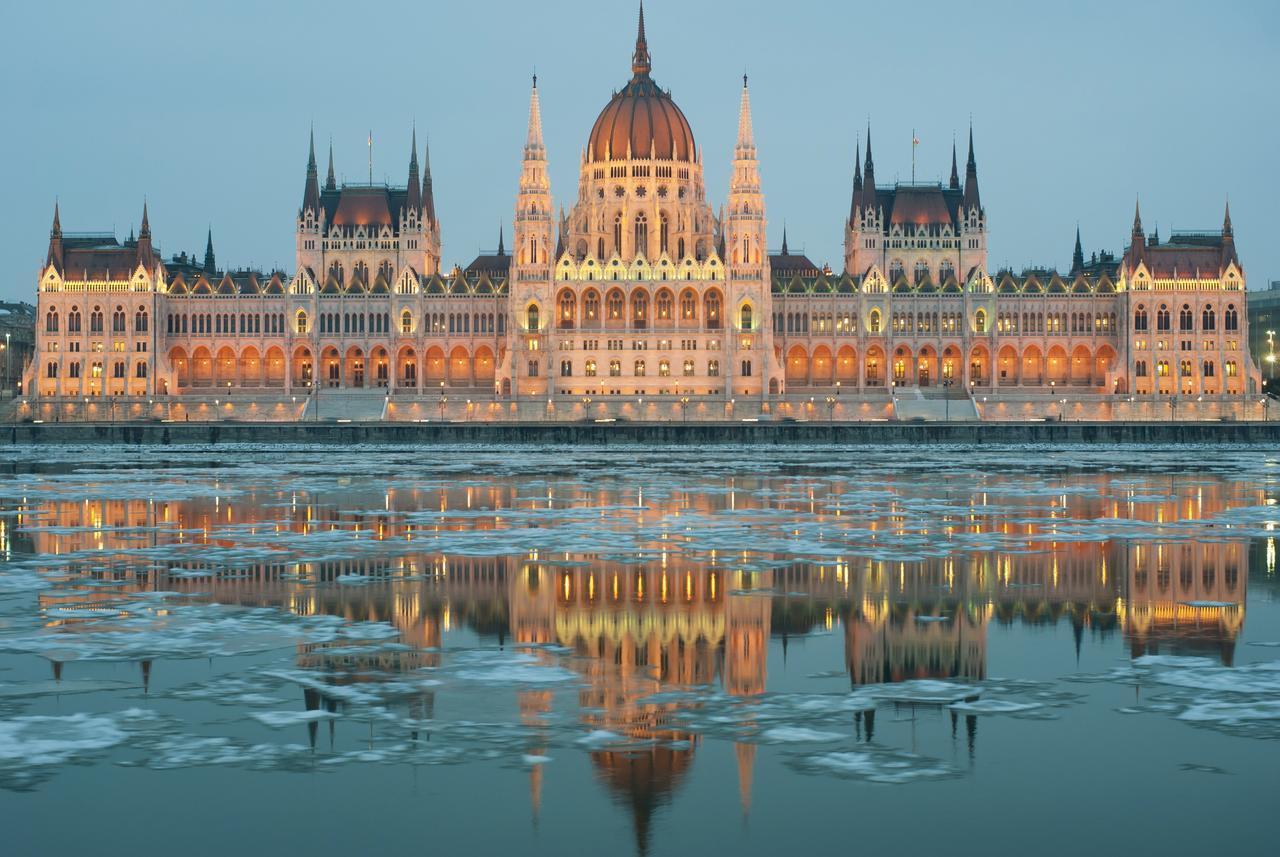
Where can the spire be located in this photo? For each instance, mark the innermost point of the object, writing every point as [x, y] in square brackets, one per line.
[209, 264]
[1228, 240]
[502, 251]
[311, 191]
[428, 187]
[1077, 258]
[641, 62]
[413, 189]
[955, 173]
[784, 240]
[746, 754]
[746, 137]
[55, 240]
[869, 169]
[329, 182]
[971, 197]
[145, 256]
[856, 202]
[1138, 239]
[533, 148]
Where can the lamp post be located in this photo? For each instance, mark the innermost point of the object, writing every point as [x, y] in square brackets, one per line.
[1271, 355]
[1173, 408]
[831, 408]
[946, 399]
[684, 408]
[443, 400]
[6, 360]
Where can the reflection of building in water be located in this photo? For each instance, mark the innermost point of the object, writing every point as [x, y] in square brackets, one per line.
[643, 629]
[640, 629]
[1185, 598]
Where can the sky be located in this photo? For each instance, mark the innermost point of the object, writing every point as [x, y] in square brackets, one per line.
[203, 110]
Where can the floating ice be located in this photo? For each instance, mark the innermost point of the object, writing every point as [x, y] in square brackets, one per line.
[798, 734]
[281, 719]
[875, 765]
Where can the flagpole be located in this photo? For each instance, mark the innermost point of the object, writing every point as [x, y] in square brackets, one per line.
[370, 157]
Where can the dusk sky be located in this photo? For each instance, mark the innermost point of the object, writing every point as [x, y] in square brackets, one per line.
[204, 109]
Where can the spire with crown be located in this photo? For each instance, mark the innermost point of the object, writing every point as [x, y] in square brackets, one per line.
[746, 148]
[745, 233]
[534, 241]
[641, 62]
[955, 173]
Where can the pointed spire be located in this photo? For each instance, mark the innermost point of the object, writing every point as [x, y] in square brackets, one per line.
[533, 148]
[210, 266]
[330, 183]
[869, 175]
[1226, 222]
[1229, 255]
[1138, 239]
[311, 190]
[1137, 218]
[145, 256]
[746, 148]
[972, 199]
[428, 187]
[746, 754]
[784, 239]
[1077, 257]
[955, 173]
[55, 240]
[641, 62]
[502, 250]
[145, 230]
[856, 202]
[413, 189]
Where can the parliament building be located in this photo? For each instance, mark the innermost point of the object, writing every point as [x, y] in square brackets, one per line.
[645, 299]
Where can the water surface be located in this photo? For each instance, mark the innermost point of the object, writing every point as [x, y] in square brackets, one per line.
[638, 651]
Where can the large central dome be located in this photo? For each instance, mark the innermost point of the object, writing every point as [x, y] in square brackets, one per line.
[641, 122]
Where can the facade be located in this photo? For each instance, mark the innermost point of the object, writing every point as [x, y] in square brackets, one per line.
[644, 292]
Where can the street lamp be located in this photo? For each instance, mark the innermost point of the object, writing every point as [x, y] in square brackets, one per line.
[946, 398]
[443, 400]
[831, 408]
[684, 408]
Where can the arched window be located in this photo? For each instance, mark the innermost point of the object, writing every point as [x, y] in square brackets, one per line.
[921, 271]
[712, 301]
[600, 248]
[406, 322]
[140, 370]
[1230, 320]
[895, 270]
[591, 305]
[1162, 318]
[531, 315]
[95, 320]
[1140, 322]
[51, 321]
[662, 233]
[140, 321]
[873, 323]
[980, 321]
[663, 304]
[1208, 319]
[639, 308]
[639, 369]
[745, 319]
[688, 368]
[642, 236]
[1186, 321]
[614, 305]
[301, 321]
[617, 234]
[1208, 368]
[567, 307]
[688, 305]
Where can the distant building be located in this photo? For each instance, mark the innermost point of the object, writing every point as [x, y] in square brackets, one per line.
[1264, 331]
[18, 341]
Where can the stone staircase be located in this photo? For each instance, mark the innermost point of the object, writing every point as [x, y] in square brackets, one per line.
[934, 404]
[356, 406]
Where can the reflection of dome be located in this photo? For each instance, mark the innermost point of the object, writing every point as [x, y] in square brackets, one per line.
[641, 122]
[644, 779]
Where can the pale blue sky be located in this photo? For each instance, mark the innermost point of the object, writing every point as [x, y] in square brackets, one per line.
[203, 108]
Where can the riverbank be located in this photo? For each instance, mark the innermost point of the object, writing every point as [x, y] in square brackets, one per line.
[637, 433]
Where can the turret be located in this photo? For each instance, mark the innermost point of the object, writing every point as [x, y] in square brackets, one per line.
[145, 257]
[1077, 257]
[869, 176]
[857, 186]
[1229, 256]
[428, 189]
[330, 183]
[954, 184]
[1137, 238]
